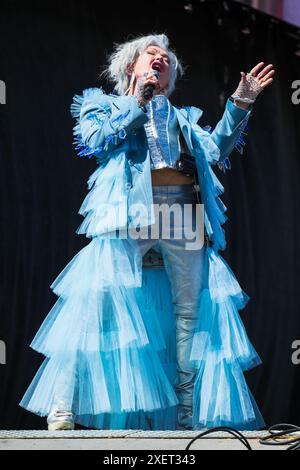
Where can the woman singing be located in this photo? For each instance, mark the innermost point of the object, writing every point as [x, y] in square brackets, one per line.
[146, 332]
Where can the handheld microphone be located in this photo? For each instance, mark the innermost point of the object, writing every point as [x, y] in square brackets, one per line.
[149, 89]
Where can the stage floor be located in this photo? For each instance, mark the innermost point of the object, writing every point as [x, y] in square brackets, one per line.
[125, 440]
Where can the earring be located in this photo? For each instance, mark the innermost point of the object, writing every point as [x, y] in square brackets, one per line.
[132, 79]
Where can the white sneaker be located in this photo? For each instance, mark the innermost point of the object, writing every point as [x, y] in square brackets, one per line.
[60, 420]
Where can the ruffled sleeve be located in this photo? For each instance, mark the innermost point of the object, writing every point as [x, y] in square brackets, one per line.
[230, 132]
[101, 125]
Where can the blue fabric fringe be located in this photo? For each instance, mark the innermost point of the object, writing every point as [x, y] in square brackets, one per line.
[81, 147]
[239, 146]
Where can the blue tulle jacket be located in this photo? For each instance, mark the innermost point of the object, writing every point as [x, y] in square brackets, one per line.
[109, 340]
[110, 127]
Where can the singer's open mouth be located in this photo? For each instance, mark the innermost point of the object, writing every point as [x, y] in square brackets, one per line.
[156, 65]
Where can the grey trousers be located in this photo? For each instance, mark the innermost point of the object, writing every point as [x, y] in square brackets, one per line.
[183, 261]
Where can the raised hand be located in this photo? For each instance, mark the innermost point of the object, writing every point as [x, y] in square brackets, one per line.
[253, 83]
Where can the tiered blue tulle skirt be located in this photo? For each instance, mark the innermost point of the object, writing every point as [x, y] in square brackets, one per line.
[109, 342]
[110, 351]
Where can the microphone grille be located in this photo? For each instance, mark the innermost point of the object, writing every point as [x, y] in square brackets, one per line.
[155, 72]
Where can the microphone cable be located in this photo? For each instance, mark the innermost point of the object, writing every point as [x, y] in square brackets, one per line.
[237, 434]
[282, 435]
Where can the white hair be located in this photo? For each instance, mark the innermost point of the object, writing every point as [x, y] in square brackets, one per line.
[126, 54]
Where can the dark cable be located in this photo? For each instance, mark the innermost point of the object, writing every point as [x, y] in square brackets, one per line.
[233, 432]
[281, 430]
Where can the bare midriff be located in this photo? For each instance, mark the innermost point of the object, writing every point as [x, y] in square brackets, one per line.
[169, 176]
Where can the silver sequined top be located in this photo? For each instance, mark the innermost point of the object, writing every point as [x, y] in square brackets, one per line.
[162, 132]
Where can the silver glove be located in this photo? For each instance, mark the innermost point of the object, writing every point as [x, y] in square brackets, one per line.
[248, 90]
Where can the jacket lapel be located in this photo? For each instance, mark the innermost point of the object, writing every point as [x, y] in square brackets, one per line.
[186, 116]
[184, 126]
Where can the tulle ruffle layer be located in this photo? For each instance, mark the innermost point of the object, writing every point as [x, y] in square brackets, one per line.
[110, 345]
[105, 207]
